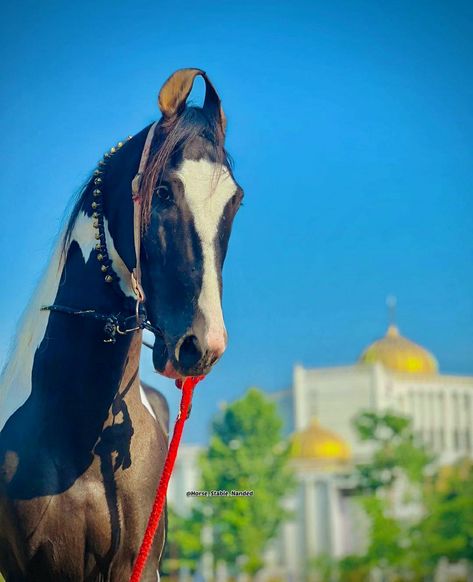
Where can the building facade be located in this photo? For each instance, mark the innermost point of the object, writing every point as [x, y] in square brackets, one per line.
[393, 374]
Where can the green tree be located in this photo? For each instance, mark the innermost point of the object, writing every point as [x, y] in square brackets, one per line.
[324, 568]
[401, 470]
[183, 542]
[246, 453]
[395, 451]
[399, 462]
[446, 530]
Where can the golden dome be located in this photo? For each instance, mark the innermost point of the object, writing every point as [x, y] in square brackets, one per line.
[399, 354]
[316, 443]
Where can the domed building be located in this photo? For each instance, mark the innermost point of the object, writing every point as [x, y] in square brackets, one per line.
[317, 445]
[392, 373]
[398, 354]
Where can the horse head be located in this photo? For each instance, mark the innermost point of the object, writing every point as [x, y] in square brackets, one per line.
[188, 201]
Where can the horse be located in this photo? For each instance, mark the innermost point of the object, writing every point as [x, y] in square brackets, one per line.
[83, 442]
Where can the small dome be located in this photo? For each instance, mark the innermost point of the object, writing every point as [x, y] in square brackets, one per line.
[317, 443]
[399, 354]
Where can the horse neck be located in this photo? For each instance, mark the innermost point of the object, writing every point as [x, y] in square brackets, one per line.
[61, 363]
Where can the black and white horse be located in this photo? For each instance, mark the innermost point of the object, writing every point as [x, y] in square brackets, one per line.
[83, 443]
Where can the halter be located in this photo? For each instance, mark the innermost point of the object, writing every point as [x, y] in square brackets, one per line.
[117, 323]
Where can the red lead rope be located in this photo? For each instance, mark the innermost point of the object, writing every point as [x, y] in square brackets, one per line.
[187, 386]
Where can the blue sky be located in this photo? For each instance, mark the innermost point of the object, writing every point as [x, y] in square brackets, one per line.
[351, 127]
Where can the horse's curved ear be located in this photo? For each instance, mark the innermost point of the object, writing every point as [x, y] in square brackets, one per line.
[175, 91]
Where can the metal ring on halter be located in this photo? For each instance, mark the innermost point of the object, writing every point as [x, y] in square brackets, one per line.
[124, 332]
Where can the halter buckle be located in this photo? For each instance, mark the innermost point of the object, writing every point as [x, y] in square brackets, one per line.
[110, 329]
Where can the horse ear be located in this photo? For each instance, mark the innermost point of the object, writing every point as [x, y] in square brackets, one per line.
[175, 91]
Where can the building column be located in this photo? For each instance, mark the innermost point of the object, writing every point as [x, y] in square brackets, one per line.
[336, 527]
[427, 418]
[310, 516]
[377, 400]
[290, 536]
[414, 409]
[448, 422]
[462, 416]
[436, 421]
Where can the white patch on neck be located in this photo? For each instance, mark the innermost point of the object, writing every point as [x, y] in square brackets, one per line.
[118, 264]
[84, 235]
[208, 187]
[15, 381]
[16, 378]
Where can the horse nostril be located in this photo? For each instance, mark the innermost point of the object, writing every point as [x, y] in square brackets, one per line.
[189, 352]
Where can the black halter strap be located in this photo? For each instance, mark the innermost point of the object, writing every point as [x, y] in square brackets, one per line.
[115, 323]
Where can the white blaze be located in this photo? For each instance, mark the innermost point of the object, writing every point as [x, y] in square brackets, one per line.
[208, 187]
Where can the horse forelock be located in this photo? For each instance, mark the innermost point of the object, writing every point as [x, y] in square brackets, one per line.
[171, 138]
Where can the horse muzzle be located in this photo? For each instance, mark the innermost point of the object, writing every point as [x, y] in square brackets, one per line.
[190, 357]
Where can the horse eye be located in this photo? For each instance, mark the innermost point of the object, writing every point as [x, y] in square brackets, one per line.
[163, 192]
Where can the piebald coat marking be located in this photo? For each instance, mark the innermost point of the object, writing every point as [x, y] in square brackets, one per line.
[15, 382]
[15, 387]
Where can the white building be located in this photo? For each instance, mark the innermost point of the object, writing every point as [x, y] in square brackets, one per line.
[392, 374]
[395, 374]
